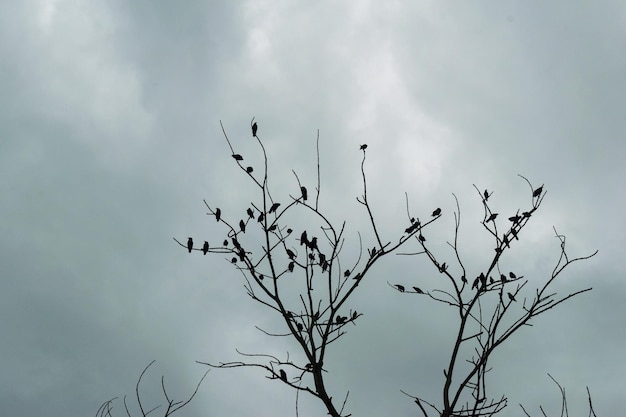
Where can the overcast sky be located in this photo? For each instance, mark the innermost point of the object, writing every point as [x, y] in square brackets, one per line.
[110, 140]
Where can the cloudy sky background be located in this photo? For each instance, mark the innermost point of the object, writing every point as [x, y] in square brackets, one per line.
[110, 140]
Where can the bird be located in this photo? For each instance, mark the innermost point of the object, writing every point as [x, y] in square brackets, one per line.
[242, 226]
[463, 279]
[249, 170]
[289, 231]
[363, 147]
[313, 243]
[502, 278]
[237, 157]
[304, 240]
[254, 129]
[261, 217]
[486, 194]
[418, 290]
[421, 238]
[290, 254]
[304, 193]
[346, 273]
[283, 374]
[233, 260]
[274, 207]
[400, 287]
[511, 296]
[475, 284]
[299, 326]
[355, 315]
[492, 217]
[272, 227]
[189, 244]
[250, 213]
[218, 214]
[437, 212]
[205, 247]
[225, 243]
[341, 319]
[538, 191]
[512, 275]
[290, 266]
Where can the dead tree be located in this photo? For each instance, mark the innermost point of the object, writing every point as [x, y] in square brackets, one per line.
[300, 272]
[171, 406]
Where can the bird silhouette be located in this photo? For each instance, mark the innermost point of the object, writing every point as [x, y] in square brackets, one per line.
[254, 129]
[205, 247]
[304, 240]
[418, 290]
[502, 278]
[437, 212]
[511, 296]
[225, 242]
[363, 147]
[313, 243]
[355, 315]
[242, 226]
[249, 170]
[189, 244]
[237, 157]
[463, 279]
[290, 266]
[218, 214]
[274, 207]
[486, 194]
[475, 284]
[538, 191]
[346, 273]
[250, 213]
[272, 227]
[341, 319]
[261, 217]
[283, 375]
[512, 275]
[304, 193]
[299, 326]
[233, 260]
[421, 238]
[400, 287]
[289, 231]
[492, 217]
[290, 254]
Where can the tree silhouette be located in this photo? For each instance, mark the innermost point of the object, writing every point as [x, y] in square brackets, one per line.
[315, 319]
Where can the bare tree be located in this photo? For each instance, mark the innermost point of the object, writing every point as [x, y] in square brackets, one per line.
[491, 304]
[171, 406]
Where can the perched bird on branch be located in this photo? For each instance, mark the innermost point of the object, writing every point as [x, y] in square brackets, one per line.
[205, 247]
[512, 275]
[492, 217]
[437, 212]
[304, 193]
[249, 170]
[250, 213]
[218, 214]
[225, 243]
[418, 290]
[502, 278]
[254, 129]
[290, 254]
[363, 147]
[421, 238]
[283, 374]
[400, 287]
[304, 240]
[237, 157]
[346, 273]
[290, 266]
[486, 194]
[538, 191]
[242, 226]
[313, 243]
[274, 207]
[189, 244]
[261, 217]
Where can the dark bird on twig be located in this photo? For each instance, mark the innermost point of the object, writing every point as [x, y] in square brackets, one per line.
[290, 266]
[418, 290]
[437, 212]
[218, 214]
[443, 267]
[249, 170]
[261, 217]
[205, 247]
[421, 238]
[511, 297]
[242, 226]
[304, 193]
[250, 213]
[502, 278]
[515, 218]
[538, 191]
[283, 375]
[274, 207]
[290, 254]
[299, 326]
[400, 287]
[189, 244]
[304, 240]
[341, 319]
[512, 275]
[492, 217]
[475, 284]
[483, 279]
[313, 243]
[346, 273]
[355, 315]
[225, 242]
[363, 147]
[237, 157]
[463, 279]
[272, 227]
[254, 129]
[526, 214]
[486, 194]
[289, 231]
[491, 280]
[233, 260]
